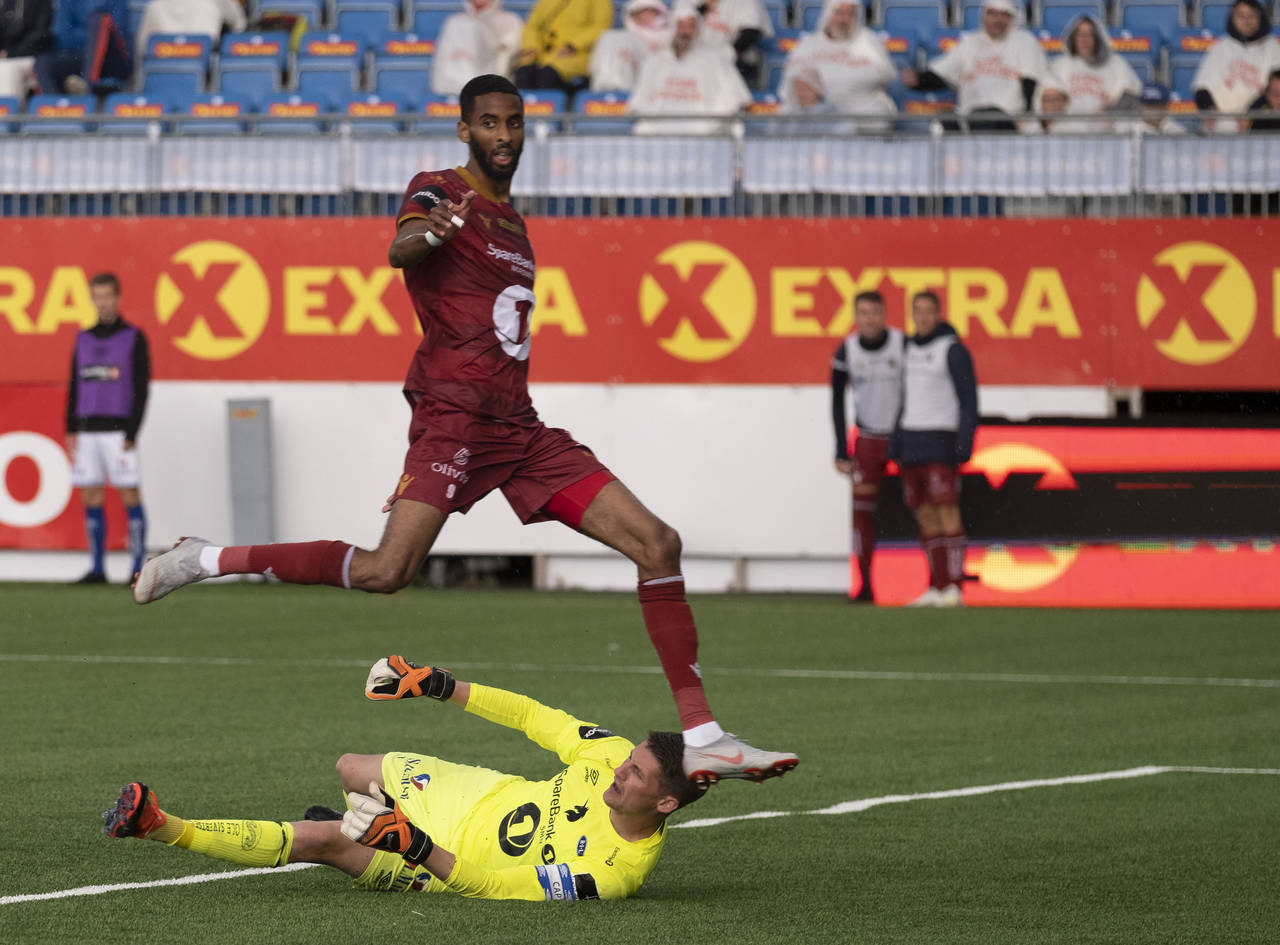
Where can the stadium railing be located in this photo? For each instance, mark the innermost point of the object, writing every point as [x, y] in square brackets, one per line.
[763, 166]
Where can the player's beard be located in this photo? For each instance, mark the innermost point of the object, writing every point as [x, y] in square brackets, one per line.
[493, 172]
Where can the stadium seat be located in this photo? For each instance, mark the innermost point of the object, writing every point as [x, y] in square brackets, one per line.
[370, 20]
[251, 65]
[1163, 17]
[969, 14]
[1142, 51]
[136, 9]
[544, 103]
[60, 114]
[608, 113]
[213, 114]
[177, 51]
[919, 109]
[439, 114]
[132, 105]
[1056, 14]
[777, 10]
[328, 65]
[429, 16]
[903, 48]
[943, 41]
[9, 107]
[402, 68]
[313, 10]
[1184, 58]
[300, 114]
[776, 51]
[372, 109]
[1211, 14]
[1049, 41]
[922, 17]
[807, 14]
[165, 83]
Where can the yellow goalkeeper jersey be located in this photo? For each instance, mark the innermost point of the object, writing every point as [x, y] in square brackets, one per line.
[541, 840]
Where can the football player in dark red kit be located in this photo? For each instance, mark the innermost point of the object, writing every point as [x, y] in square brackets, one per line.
[469, 269]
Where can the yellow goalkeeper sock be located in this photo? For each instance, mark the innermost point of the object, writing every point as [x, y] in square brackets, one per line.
[248, 842]
[386, 871]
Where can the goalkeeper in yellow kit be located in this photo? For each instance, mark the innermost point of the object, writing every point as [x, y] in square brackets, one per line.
[594, 831]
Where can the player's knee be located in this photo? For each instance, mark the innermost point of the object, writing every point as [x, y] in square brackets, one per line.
[351, 772]
[384, 576]
[662, 549]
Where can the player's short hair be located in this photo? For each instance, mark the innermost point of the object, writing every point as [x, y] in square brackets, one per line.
[869, 296]
[931, 296]
[484, 85]
[106, 278]
[668, 748]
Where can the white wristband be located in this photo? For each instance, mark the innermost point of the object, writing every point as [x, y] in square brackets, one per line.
[433, 239]
[457, 221]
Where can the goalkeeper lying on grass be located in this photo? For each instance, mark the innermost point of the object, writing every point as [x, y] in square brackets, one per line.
[594, 831]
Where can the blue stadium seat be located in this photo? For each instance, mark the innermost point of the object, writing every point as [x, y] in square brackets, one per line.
[168, 84]
[608, 113]
[777, 10]
[61, 114]
[331, 83]
[372, 109]
[215, 115]
[1164, 17]
[943, 41]
[133, 105]
[177, 51]
[439, 114]
[807, 14]
[402, 68]
[321, 47]
[9, 107]
[1142, 51]
[371, 20]
[251, 65]
[920, 108]
[1184, 58]
[1181, 72]
[903, 48]
[429, 16]
[1056, 14]
[923, 17]
[299, 114]
[136, 9]
[969, 14]
[776, 51]
[328, 65]
[1211, 14]
[540, 103]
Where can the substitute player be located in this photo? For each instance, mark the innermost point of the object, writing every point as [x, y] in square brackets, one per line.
[106, 398]
[469, 269]
[870, 361]
[933, 438]
[594, 831]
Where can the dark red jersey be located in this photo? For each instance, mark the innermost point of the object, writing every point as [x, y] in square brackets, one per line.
[474, 298]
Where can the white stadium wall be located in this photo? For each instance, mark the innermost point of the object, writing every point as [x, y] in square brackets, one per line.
[744, 473]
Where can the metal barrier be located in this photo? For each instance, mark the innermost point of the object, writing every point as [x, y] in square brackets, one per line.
[772, 167]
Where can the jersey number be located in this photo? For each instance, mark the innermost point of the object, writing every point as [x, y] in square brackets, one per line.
[512, 310]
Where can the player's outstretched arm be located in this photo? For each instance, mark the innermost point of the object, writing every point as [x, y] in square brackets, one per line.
[394, 677]
[417, 236]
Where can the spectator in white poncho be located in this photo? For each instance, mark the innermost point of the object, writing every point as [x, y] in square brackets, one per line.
[687, 77]
[189, 17]
[738, 27]
[484, 39]
[1094, 77]
[853, 64]
[618, 55]
[994, 69]
[1235, 69]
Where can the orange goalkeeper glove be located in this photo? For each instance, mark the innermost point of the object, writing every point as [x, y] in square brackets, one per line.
[375, 820]
[394, 677]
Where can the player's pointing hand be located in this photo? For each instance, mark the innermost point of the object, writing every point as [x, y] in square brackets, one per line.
[447, 218]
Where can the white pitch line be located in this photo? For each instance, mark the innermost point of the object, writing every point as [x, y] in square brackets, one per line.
[606, 668]
[854, 807]
[847, 807]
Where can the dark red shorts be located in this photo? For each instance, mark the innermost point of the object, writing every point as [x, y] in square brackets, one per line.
[455, 460]
[870, 453]
[930, 484]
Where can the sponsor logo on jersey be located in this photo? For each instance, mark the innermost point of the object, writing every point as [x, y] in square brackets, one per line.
[429, 197]
[214, 300]
[404, 483]
[588, 732]
[462, 456]
[516, 830]
[575, 813]
[582, 844]
[519, 264]
[446, 469]
[100, 372]
[548, 853]
[699, 300]
[609, 860]
[420, 781]
[1197, 303]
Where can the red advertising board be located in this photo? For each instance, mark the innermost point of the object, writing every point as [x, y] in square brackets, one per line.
[1169, 303]
[39, 509]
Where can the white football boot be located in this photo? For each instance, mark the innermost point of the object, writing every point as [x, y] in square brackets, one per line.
[930, 598]
[729, 757]
[165, 573]
[950, 596]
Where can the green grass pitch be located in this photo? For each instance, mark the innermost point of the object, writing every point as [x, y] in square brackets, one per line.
[235, 701]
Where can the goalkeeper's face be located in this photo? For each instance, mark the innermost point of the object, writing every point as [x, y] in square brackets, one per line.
[637, 785]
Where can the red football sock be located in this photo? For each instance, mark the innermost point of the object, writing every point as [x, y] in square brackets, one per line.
[864, 537]
[669, 621]
[306, 562]
[956, 546]
[936, 549]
